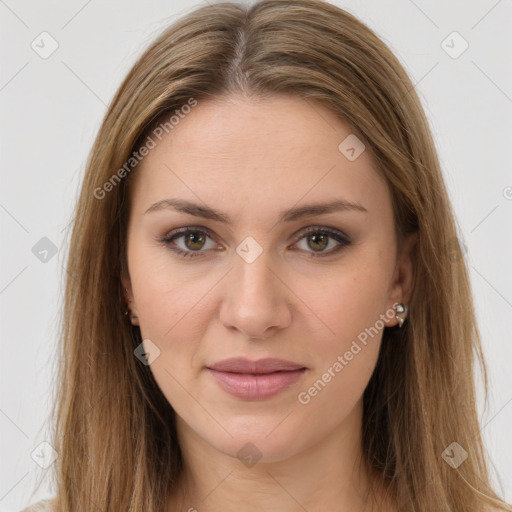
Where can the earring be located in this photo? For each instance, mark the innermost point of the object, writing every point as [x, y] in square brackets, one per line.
[401, 308]
[132, 317]
[128, 310]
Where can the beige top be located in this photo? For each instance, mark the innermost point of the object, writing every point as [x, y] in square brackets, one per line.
[46, 506]
[40, 506]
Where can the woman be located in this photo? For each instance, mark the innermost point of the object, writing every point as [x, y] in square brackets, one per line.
[267, 307]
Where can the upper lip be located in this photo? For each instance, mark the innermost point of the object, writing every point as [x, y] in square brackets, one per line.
[243, 365]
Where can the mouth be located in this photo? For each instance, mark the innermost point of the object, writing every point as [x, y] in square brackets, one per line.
[256, 380]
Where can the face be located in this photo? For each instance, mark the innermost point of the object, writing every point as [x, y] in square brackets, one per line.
[240, 267]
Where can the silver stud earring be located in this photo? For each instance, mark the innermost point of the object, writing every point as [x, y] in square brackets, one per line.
[401, 308]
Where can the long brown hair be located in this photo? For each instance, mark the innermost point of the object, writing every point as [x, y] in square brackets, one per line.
[114, 429]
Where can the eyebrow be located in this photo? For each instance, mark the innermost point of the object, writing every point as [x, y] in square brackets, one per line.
[289, 215]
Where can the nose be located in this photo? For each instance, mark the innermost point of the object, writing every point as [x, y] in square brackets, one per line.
[255, 300]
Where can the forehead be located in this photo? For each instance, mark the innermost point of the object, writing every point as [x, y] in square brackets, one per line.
[254, 154]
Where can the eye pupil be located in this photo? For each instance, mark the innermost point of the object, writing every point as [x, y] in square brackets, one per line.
[193, 238]
[323, 243]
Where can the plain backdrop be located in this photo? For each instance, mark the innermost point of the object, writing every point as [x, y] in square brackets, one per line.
[50, 112]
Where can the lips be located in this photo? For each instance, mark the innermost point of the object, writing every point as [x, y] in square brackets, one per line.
[255, 380]
[243, 365]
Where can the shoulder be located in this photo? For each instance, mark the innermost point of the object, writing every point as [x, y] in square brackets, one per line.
[40, 506]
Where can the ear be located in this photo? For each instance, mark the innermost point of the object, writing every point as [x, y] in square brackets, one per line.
[130, 300]
[127, 287]
[402, 285]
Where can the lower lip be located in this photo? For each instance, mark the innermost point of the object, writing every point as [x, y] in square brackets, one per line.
[256, 386]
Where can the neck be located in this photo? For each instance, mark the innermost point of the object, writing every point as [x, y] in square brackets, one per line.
[327, 475]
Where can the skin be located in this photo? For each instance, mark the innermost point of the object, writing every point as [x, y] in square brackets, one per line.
[251, 159]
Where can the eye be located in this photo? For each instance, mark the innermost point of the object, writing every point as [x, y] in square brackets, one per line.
[193, 241]
[319, 238]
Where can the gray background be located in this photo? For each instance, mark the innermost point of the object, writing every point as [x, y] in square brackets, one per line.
[51, 109]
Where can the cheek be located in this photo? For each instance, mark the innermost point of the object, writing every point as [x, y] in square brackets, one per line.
[172, 317]
[169, 296]
[349, 300]
[345, 359]
[170, 313]
[349, 309]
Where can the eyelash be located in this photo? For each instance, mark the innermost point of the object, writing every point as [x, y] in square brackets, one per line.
[340, 237]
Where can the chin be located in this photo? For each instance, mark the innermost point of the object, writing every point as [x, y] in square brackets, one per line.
[258, 440]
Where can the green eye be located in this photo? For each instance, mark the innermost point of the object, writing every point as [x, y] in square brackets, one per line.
[318, 239]
[193, 241]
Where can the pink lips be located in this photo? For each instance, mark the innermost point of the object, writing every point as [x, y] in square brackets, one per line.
[255, 380]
